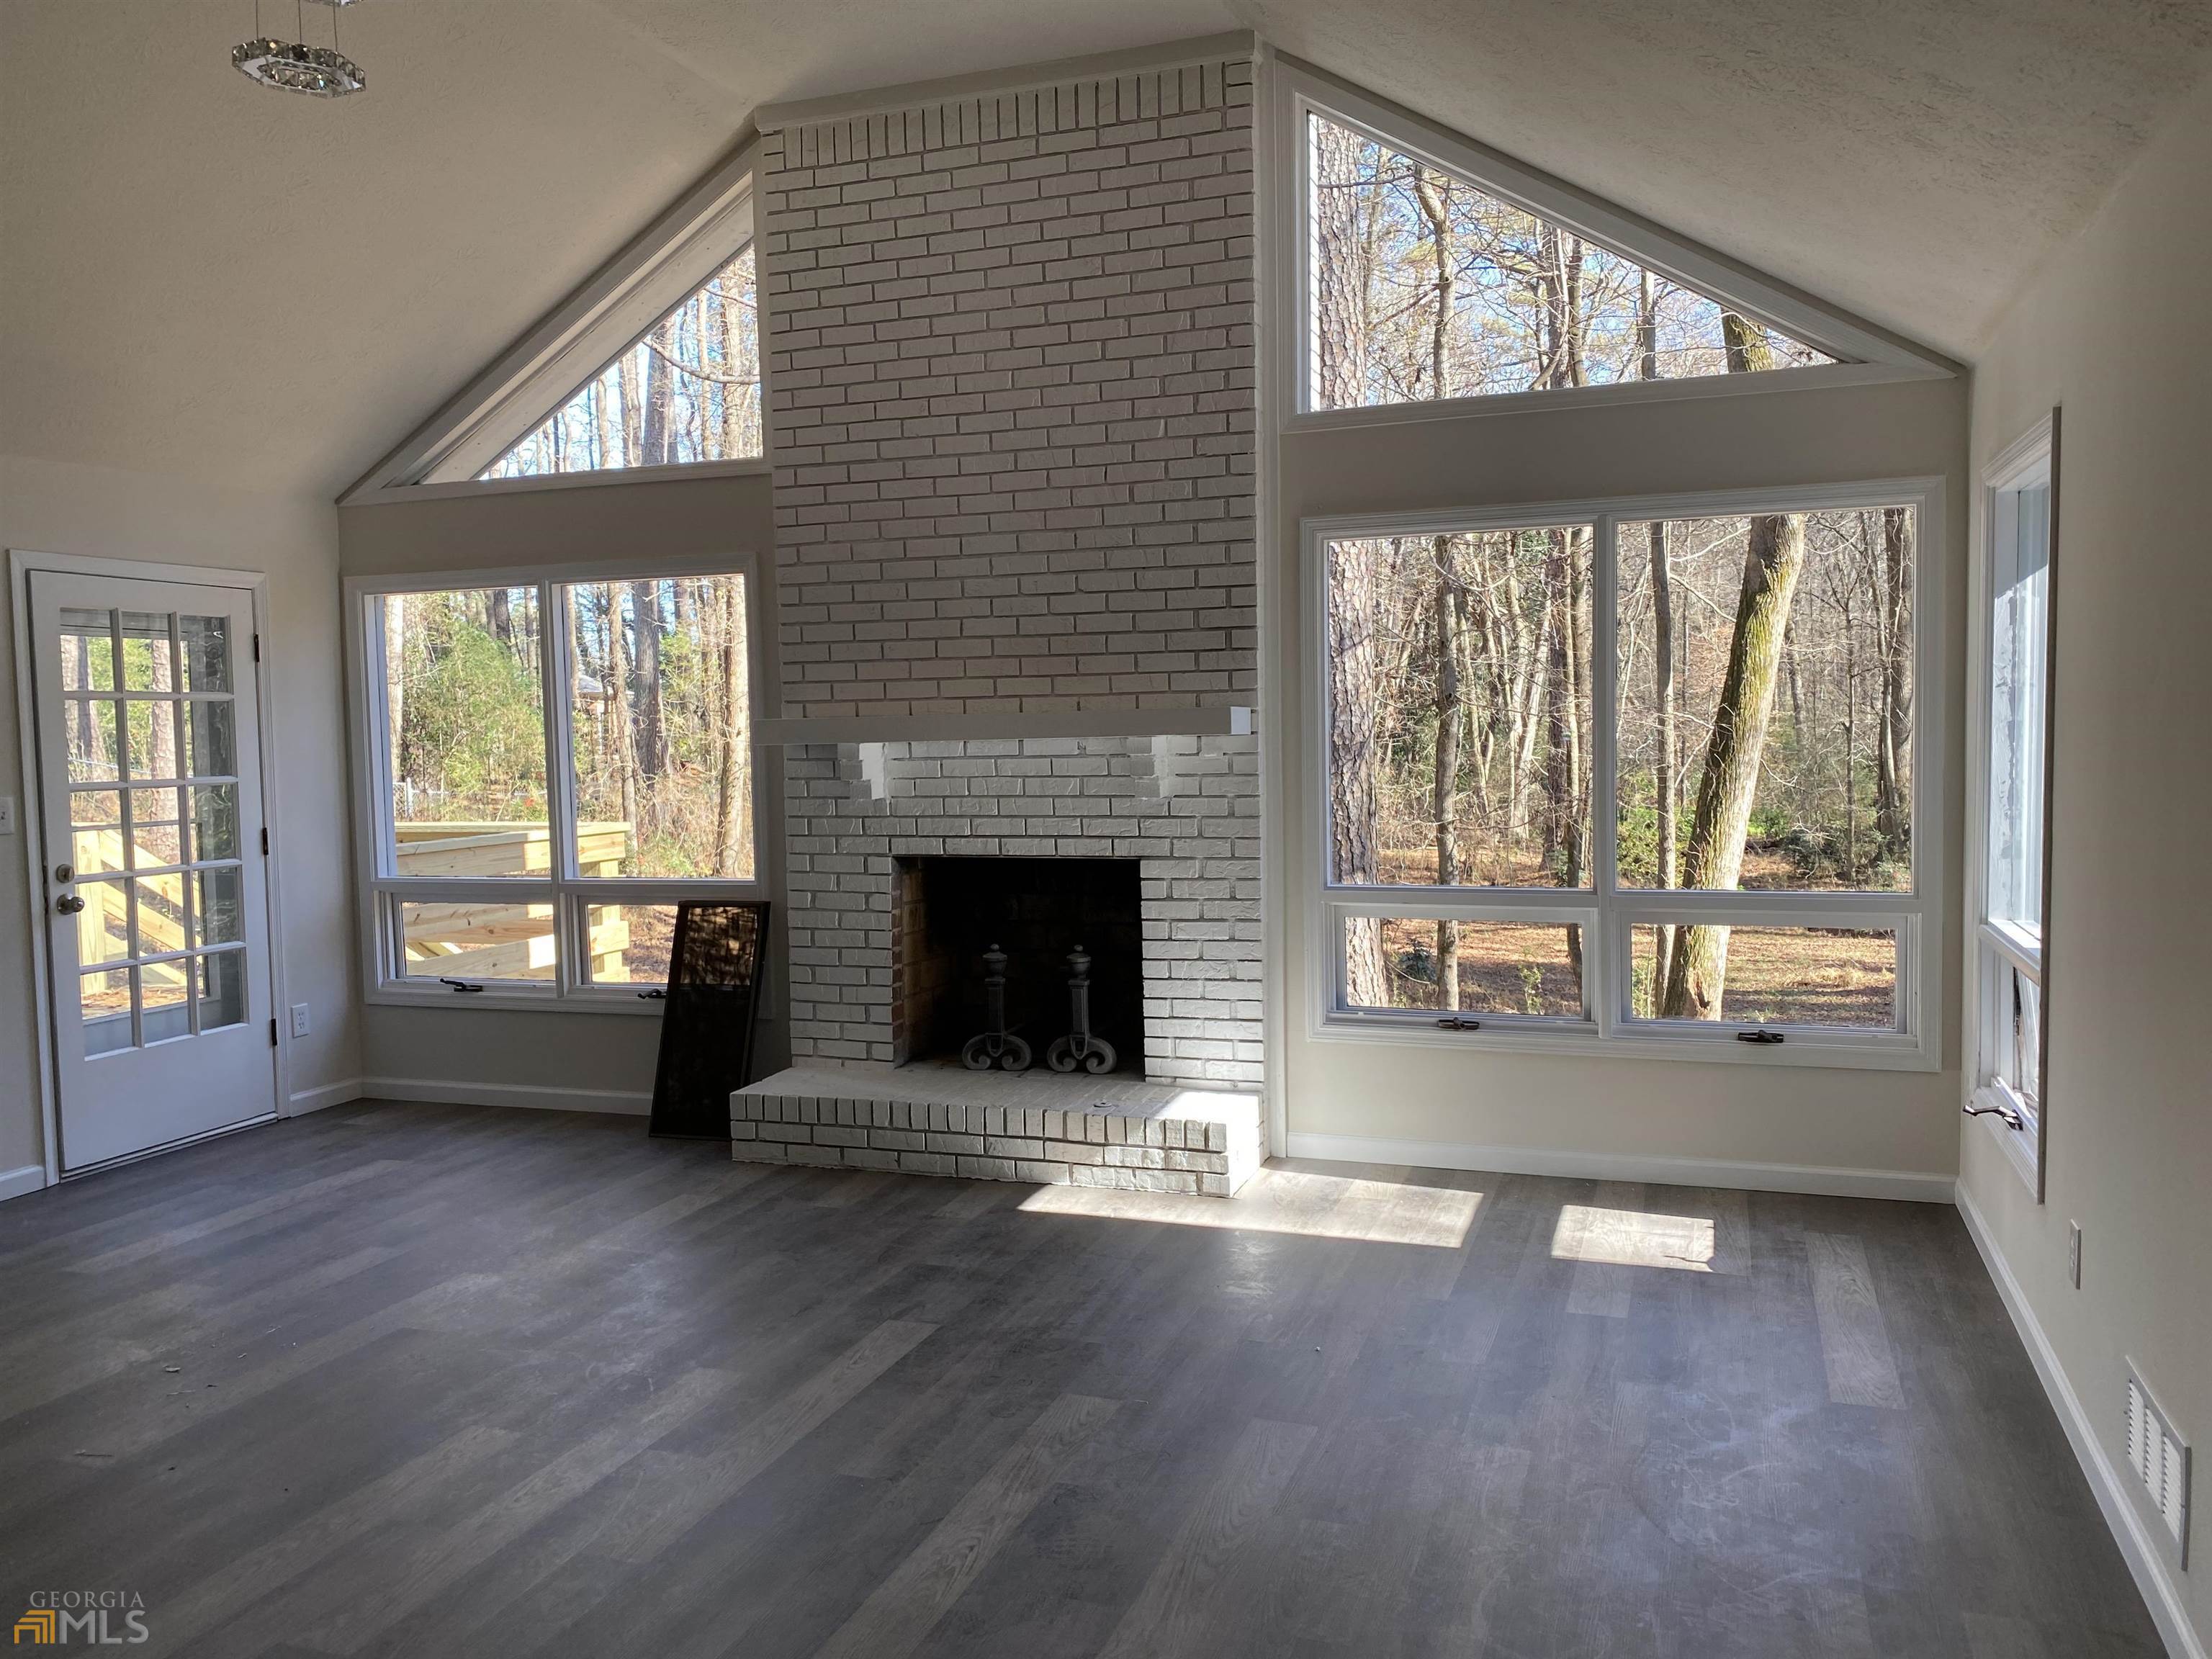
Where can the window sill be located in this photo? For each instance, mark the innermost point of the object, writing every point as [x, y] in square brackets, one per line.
[536, 1002]
[1884, 1051]
[531, 1002]
[2018, 1144]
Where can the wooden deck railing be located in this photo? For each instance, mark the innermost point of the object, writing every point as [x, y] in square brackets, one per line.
[483, 941]
[504, 941]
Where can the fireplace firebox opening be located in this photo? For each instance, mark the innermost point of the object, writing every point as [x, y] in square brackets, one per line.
[950, 911]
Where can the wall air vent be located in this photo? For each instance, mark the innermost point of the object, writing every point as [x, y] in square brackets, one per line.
[2160, 1458]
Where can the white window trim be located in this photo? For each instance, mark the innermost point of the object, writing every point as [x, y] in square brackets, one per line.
[1865, 355]
[573, 344]
[2035, 451]
[1606, 910]
[375, 882]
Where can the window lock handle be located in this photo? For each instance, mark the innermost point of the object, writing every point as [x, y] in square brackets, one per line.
[1453, 1022]
[1763, 1038]
[656, 994]
[2005, 1114]
[460, 985]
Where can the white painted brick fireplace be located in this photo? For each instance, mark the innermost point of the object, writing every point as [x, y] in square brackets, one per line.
[1188, 808]
[1011, 374]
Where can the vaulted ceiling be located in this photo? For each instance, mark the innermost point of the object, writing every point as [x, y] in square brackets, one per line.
[198, 275]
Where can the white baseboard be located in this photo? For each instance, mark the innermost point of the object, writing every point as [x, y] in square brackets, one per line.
[2130, 1531]
[328, 1094]
[1919, 1187]
[13, 1183]
[448, 1091]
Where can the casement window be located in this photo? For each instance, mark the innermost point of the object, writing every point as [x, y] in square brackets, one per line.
[549, 767]
[1429, 270]
[2010, 852]
[1646, 772]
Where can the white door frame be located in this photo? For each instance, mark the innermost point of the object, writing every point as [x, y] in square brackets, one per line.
[21, 563]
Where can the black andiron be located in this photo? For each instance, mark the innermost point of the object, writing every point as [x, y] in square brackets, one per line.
[1080, 1047]
[996, 1045]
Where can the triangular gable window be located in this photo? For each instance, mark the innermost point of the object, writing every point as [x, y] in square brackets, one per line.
[1423, 286]
[688, 391]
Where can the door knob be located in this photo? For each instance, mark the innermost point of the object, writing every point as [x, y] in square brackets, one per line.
[68, 904]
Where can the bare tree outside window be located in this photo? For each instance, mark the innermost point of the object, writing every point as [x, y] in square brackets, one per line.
[688, 391]
[1426, 287]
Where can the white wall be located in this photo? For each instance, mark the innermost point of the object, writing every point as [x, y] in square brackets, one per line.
[2115, 331]
[1895, 1123]
[99, 512]
[576, 1058]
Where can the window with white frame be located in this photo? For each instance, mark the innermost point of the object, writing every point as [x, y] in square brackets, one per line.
[1427, 270]
[1426, 286]
[2012, 853]
[552, 766]
[1645, 771]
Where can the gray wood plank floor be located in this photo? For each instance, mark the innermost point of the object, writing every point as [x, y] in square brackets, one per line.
[412, 1380]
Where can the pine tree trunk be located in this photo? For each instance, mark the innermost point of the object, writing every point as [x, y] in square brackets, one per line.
[653, 756]
[395, 700]
[1567, 777]
[655, 439]
[1892, 785]
[619, 721]
[1451, 716]
[1344, 270]
[732, 736]
[1433, 192]
[633, 440]
[1356, 620]
[1664, 786]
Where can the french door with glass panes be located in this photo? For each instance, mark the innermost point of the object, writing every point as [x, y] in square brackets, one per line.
[155, 890]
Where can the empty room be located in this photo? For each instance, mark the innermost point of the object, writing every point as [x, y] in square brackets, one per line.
[992, 830]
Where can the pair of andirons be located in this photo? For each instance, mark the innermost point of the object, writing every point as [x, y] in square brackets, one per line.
[998, 1046]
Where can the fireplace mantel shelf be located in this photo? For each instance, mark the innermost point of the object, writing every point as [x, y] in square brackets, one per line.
[1221, 719]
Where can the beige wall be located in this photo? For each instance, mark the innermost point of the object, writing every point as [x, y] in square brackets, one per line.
[1799, 1117]
[2115, 331]
[97, 512]
[583, 1059]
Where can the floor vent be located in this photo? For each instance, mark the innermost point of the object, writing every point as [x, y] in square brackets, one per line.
[2162, 1462]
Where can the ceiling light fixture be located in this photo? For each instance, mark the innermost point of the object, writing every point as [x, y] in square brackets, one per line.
[295, 66]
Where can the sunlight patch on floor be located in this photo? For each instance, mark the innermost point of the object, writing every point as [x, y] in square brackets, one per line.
[1627, 1238]
[1289, 1201]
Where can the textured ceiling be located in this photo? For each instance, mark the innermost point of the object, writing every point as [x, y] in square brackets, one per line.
[198, 276]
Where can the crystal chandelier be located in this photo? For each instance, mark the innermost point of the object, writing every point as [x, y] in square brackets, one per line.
[295, 66]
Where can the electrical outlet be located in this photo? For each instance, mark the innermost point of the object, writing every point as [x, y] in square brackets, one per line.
[2073, 1252]
[300, 1019]
[7, 815]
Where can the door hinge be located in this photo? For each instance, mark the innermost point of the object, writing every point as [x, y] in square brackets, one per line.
[257, 648]
[264, 843]
[272, 1034]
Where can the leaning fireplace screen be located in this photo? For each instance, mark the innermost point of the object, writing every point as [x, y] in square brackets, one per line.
[706, 1025]
[1037, 913]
